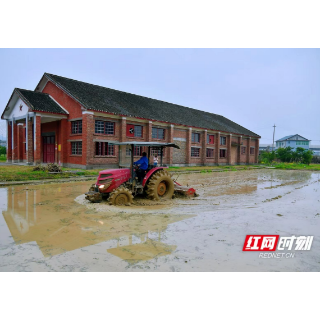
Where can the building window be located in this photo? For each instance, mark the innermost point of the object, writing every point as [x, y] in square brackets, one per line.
[252, 150]
[157, 133]
[223, 141]
[104, 127]
[137, 151]
[223, 153]
[209, 153]
[76, 147]
[243, 150]
[138, 131]
[128, 151]
[302, 143]
[157, 151]
[210, 139]
[195, 152]
[76, 127]
[104, 149]
[134, 131]
[195, 137]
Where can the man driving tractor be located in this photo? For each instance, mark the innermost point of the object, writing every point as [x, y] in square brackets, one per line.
[143, 163]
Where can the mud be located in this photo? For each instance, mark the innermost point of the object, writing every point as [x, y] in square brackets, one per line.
[53, 228]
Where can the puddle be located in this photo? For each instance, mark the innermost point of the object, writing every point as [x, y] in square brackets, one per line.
[52, 227]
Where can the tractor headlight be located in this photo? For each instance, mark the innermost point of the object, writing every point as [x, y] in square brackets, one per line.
[101, 186]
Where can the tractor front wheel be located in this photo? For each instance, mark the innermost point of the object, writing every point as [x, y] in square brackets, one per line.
[120, 197]
[160, 186]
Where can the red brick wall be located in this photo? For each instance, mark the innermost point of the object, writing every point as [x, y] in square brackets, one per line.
[180, 155]
[20, 142]
[15, 142]
[224, 160]
[37, 152]
[63, 134]
[72, 106]
[252, 157]
[30, 142]
[234, 150]
[195, 160]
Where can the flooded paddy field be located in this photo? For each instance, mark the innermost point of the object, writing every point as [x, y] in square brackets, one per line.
[51, 227]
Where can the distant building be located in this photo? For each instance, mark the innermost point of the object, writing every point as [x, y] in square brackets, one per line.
[315, 149]
[3, 143]
[293, 141]
[265, 147]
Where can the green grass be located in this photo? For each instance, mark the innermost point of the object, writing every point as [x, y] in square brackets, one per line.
[296, 166]
[3, 158]
[24, 173]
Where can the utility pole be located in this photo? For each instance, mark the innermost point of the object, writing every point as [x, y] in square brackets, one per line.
[274, 130]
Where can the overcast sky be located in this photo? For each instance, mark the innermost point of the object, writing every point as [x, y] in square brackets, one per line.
[253, 87]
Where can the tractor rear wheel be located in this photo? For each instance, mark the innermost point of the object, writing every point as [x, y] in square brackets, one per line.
[120, 197]
[160, 186]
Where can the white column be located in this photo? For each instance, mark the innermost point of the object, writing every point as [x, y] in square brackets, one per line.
[12, 140]
[27, 120]
[34, 134]
[7, 143]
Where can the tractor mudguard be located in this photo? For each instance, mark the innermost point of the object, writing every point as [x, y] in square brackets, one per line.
[150, 173]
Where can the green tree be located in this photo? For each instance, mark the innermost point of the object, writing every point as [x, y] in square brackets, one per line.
[284, 154]
[3, 150]
[307, 156]
[297, 156]
[268, 157]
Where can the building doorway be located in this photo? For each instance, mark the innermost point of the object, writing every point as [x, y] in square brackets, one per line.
[48, 149]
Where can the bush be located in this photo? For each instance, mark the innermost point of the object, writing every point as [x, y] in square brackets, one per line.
[39, 167]
[50, 167]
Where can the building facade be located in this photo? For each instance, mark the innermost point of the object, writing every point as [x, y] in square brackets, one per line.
[294, 141]
[75, 124]
[315, 149]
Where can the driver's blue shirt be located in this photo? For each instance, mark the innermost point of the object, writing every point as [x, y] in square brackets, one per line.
[143, 161]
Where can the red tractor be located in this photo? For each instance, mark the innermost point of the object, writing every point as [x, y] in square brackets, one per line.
[119, 186]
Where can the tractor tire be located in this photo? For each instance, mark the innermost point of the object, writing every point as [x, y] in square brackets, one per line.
[120, 197]
[160, 186]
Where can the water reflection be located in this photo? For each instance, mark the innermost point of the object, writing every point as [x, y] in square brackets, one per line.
[48, 215]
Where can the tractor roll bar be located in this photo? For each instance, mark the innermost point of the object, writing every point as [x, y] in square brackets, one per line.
[132, 144]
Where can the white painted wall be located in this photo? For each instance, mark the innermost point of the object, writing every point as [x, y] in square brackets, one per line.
[16, 109]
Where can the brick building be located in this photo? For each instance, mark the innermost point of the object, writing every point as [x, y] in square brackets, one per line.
[75, 123]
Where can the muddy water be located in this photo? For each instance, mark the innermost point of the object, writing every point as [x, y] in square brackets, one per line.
[53, 228]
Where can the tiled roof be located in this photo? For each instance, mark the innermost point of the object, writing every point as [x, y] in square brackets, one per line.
[98, 98]
[288, 137]
[39, 101]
